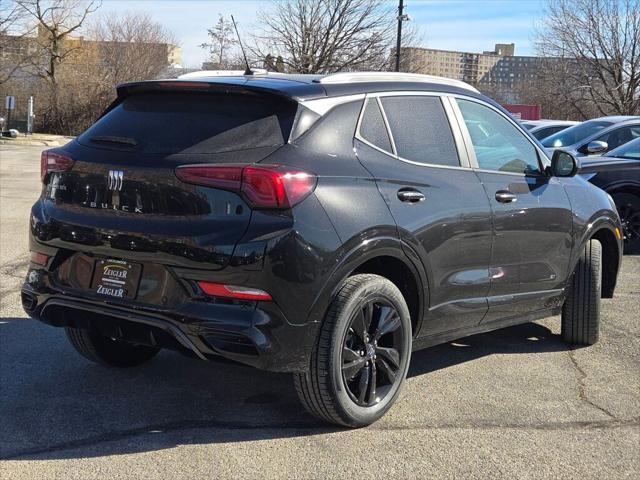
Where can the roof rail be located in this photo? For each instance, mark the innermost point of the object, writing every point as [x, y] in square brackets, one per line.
[351, 77]
[222, 73]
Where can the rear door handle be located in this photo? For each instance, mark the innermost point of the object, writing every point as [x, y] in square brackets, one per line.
[505, 196]
[410, 195]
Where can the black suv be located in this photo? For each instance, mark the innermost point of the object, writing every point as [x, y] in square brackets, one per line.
[618, 173]
[320, 225]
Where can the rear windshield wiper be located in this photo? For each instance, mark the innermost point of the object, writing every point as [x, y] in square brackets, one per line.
[131, 142]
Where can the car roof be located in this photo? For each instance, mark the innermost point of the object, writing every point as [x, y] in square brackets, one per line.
[301, 87]
[540, 124]
[617, 118]
[558, 122]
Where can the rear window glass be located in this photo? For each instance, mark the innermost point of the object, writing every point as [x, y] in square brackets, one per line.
[420, 130]
[163, 122]
[373, 128]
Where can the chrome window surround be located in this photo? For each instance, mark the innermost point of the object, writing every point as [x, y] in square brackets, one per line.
[462, 139]
[457, 137]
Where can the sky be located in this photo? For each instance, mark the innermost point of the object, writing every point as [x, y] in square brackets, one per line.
[467, 25]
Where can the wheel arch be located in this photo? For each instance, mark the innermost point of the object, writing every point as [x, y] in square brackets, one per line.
[607, 231]
[633, 188]
[384, 256]
[610, 259]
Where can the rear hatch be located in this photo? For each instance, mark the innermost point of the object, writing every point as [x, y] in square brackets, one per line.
[121, 197]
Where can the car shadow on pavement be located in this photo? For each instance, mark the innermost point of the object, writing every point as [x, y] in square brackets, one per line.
[56, 405]
[525, 338]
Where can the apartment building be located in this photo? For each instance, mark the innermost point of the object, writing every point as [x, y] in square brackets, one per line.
[499, 67]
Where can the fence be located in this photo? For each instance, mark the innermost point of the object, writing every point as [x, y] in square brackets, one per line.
[21, 91]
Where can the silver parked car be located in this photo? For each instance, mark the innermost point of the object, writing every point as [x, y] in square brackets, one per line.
[596, 136]
[542, 129]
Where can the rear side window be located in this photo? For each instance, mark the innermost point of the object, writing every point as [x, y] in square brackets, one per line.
[373, 128]
[420, 130]
[545, 132]
[171, 122]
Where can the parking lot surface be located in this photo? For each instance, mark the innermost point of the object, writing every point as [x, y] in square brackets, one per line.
[515, 403]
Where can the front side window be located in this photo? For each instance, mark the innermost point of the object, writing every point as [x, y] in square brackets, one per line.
[421, 130]
[629, 150]
[498, 144]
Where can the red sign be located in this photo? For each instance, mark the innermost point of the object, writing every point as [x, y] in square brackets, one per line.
[524, 112]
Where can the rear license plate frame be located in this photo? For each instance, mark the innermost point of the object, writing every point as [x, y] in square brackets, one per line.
[116, 279]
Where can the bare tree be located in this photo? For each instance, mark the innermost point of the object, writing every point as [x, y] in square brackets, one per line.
[56, 21]
[323, 36]
[131, 46]
[602, 40]
[14, 51]
[221, 43]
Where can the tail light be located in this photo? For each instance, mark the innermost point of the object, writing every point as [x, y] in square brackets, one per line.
[52, 161]
[233, 291]
[262, 186]
[39, 258]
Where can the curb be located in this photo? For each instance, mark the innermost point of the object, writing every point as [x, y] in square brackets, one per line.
[33, 143]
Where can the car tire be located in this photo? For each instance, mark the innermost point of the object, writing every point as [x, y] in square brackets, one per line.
[581, 309]
[109, 352]
[356, 372]
[628, 206]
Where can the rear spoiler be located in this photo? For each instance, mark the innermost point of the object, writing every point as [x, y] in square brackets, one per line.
[125, 90]
[189, 85]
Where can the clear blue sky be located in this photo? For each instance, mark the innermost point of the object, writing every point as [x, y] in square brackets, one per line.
[469, 25]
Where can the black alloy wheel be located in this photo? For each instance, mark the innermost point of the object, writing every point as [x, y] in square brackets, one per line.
[360, 361]
[371, 352]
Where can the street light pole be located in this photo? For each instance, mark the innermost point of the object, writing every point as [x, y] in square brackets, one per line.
[399, 38]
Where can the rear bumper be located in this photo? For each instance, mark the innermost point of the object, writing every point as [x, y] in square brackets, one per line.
[252, 333]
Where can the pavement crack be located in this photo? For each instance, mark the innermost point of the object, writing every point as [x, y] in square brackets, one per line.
[581, 376]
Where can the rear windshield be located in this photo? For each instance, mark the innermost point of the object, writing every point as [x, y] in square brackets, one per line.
[164, 122]
[575, 134]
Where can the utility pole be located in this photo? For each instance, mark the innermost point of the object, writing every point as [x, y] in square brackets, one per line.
[401, 18]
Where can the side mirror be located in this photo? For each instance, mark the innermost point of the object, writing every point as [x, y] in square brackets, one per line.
[597, 146]
[563, 164]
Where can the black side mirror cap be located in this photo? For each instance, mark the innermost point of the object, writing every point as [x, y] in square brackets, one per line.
[564, 164]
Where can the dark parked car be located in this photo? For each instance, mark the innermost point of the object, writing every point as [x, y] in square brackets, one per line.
[320, 225]
[618, 173]
[595, 137]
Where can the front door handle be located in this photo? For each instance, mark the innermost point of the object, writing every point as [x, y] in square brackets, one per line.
[505, 196]
[410, 195]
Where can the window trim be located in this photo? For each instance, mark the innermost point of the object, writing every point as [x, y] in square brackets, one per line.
[542, 155]
[385, 120]
[463, 158]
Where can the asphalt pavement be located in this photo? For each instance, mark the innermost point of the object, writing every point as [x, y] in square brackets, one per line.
[515, 403]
